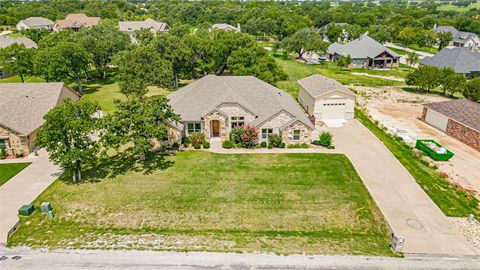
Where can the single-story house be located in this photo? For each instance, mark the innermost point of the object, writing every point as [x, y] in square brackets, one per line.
[460, 38]
[214, 105]
[35, 23]
[365, 53]
[462, 60]
[23, 106]
[150, 24]
[326, 99]
[75, 22]
[225, 27]
[6, 41]
[458, 118]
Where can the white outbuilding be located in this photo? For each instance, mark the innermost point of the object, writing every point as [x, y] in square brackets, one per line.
[326, 99]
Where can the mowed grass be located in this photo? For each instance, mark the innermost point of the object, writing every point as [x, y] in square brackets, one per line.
[9, 170]
[451, 7]
[282, 203]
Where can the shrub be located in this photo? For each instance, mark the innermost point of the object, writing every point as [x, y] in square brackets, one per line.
[19, 155]
[206, 145]
[185, 144]
[263, 144]
[282, 145]
[175, 145]
[228, 144]
[196, 138]
[246, 135]
[270, 146]
[316, 142]
[197, 146]
[298, 145]
[275, 140]
[326, 139]
[186, 140]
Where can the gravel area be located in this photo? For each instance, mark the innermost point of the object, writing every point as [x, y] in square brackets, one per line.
[471, 230]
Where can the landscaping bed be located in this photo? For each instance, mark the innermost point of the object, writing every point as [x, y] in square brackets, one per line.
[195, 200]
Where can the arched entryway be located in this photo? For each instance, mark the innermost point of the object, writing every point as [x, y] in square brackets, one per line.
[215, 128]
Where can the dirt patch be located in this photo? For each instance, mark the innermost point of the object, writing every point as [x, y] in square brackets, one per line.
[391, 78]
[400, 112]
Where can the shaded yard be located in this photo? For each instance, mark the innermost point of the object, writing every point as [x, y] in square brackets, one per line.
[9, 170]
[282, 203]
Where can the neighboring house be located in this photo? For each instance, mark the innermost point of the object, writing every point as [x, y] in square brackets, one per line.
[365, 53]
[214, 105]
[6, 41]
[460, 38]
[150, 24]
[225, 26]
[75, 22]
[462, 60]
[326, 99]
[458, 118]
[23, 106]
[35, 23]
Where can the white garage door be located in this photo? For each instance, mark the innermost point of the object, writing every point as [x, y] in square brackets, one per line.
[333, 109]
[436, 119]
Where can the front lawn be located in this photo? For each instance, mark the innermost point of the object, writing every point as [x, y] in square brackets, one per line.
[9, 170]
[282, 203]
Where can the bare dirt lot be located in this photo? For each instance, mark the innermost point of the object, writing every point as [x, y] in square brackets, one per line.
[400, 112]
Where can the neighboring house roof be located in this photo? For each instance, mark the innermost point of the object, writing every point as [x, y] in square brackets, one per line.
[464, 111]
[462, 60]
[37, 21]
[360, 48]
[77, 20]
[23, 105]
[6, 41]
[130, 26]
[458, 36]
[263, 100]
[317, 85]
[224, 26]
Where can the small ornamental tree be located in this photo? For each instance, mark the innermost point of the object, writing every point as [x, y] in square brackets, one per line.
[67, 136]
[246, 135]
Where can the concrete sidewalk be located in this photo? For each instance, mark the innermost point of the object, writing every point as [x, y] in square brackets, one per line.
[407, 208]
[22, 189]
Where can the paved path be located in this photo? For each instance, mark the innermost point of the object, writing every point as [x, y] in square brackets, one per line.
[22, 189]
[105, 259]
[420, 53]
[407, 208]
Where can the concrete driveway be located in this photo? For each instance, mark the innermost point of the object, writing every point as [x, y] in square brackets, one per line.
[407, 208]
[22, 189]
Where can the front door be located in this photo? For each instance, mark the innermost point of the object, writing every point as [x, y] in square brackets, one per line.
[215, 128]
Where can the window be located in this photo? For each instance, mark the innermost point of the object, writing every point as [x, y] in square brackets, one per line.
[237, 121]
[3, 144]
[194, 127]
[266, 132]
[296, 135]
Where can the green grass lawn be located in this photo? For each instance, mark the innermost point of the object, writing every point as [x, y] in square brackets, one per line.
[451, 7]
[423, 48]
[9, 170]
[297, 70]
[452, 201]
[17, 79]
[282, 203]
[399, 51]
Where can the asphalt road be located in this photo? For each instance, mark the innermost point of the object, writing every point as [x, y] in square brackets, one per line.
[23, 258]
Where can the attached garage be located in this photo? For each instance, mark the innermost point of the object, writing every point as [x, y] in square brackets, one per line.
[326, 99]
[458, 118]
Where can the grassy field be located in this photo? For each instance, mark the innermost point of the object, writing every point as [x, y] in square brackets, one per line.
[452, 201]
[16, 79]
[423, 48]
[297, 70]
[450, 7]
[282, 203]
[9, 170]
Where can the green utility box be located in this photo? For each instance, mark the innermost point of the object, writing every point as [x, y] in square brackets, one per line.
[45, 207]
[434, 150]
[26, 210]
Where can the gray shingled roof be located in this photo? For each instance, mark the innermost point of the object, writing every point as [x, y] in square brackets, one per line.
[464, 111]
[129, 26]
[458, 36]
[462, 60]
[360, 48]
[6, 41]
[23, 105]
[262, 99]
[317, 85]
[224, 26]
[37, 21]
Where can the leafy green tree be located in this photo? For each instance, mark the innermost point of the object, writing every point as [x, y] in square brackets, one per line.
[66, 60]
[408, 36]
[444, 39]
[412, 58]
[334, 32]
[35, 34]
[343, 61]
[143, 36]
[304, 40]
[471, 89]
[17, 59]
[102, 41]
[67, 136]
[380, 33]
[425, 77]
[140, 123]
[451, 81]
[140, 68]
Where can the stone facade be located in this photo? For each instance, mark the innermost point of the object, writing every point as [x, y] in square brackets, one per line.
[464, 134]
[174, 135]
[305, 133]
[277, 121]
[223, 128]
[17, 144]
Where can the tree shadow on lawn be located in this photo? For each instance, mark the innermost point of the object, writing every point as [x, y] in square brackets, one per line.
[111, 166]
